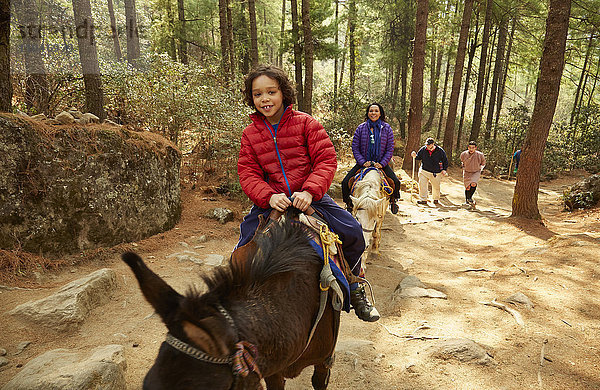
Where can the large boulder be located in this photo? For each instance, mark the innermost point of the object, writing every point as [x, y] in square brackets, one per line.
[63, 369]
[70, 306]
[64, 189]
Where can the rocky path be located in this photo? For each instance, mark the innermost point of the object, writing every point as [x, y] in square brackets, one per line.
[469, 299]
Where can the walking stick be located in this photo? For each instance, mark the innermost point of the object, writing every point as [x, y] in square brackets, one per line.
[412, 190]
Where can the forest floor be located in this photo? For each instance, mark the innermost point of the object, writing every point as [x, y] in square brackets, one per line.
[471, 256]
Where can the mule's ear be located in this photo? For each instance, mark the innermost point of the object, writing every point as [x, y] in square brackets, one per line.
[354, 200]
[158, 293]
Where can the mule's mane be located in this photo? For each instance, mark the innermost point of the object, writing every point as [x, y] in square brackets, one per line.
[369, 185]
[283, 248]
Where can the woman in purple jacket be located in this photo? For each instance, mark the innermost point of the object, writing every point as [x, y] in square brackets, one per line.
[373, 145]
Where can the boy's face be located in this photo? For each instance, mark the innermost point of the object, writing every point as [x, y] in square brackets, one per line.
[472, 148]
[267, 98]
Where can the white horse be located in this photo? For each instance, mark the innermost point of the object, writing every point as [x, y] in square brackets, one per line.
[370, 203]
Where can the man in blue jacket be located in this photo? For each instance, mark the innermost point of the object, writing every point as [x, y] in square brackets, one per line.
[433, 165]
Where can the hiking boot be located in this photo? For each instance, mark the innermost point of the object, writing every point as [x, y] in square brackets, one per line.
[362, 307]
[394, 207]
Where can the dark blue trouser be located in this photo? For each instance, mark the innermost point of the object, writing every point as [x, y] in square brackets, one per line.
[340, 221]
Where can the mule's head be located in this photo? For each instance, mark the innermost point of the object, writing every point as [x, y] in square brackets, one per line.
[369, 212]
[200, 326]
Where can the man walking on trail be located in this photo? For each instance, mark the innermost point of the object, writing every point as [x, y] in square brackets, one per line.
[473, 162]
[433, 165]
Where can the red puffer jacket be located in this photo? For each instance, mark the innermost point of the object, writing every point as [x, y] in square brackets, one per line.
[307, 154]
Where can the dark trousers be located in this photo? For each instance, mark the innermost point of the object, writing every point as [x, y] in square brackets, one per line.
[389, 173]
[339, 220]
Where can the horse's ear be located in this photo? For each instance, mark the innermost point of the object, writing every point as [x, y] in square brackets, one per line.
[158, 293]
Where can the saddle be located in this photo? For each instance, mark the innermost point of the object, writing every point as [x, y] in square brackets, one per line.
[388, 185]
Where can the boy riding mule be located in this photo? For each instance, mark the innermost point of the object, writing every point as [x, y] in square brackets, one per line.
[287, 159]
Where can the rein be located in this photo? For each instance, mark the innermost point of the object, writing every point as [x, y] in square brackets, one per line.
[242, 360]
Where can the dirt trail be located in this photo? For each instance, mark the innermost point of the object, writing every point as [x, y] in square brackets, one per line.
[471, 256]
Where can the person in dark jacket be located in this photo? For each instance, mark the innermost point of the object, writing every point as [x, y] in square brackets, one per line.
[287, 159]
[373, 146]
[433, 165]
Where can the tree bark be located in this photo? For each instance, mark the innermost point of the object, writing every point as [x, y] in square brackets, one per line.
[245, 66]
[114, 31]
[478, 110]
[231, 46]
[309, 54]
[183, 57]
[436, 64]
[133, 38]
[457, 79]
[524, 203]
[472, 49]
[5, 81]
[444, 93]
[415, 113]
[579, 90]
[505, 71]
[224, 33]
[502, 36]
[404, 83]
[336, 55]
[352, 44]
[253, 33]
[36, 84]
[88, 54]
[282, 34]
[297, 56]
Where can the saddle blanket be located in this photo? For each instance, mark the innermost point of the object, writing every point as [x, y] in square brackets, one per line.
[339, 275]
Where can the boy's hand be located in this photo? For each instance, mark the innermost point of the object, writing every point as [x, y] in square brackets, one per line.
[279, 202]
[302, 200]
[378, 166]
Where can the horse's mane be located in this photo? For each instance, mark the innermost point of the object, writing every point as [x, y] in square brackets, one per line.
[283, 248]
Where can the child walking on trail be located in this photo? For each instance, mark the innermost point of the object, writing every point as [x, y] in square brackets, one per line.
[473, 162]
[287, 159]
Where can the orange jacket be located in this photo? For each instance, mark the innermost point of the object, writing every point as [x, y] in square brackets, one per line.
[307, 155]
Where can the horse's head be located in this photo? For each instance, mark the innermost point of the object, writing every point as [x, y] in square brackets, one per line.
[196, 328]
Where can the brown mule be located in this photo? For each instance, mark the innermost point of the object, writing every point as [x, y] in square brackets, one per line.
[253, 322]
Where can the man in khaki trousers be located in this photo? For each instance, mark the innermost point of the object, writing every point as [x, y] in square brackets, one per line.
[434, 164]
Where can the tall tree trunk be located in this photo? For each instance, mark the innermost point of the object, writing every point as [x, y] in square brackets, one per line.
[230, 45]
[404, 83]
[224, 33]
[245, 66]
[297, 56]
[36, 85]
[591, 97]
[133, 38]
[472, 49]
[309, 54]
[488, 71]
[115, 31]
[336, 56]
[253, 33]
[88, 54]
[172, 46]
[503, 34]
[395, 87]
[5, 82]
[505, 71]
[579, 90]
[478, 110]
[415, 113]
[444, 93]
[282, 34]
[436, 64]
[344, 57]
[352, 43]
[182, 36]
[524, 203]
[457, 79]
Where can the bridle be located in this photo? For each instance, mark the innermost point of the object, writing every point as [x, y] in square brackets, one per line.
[242, 360]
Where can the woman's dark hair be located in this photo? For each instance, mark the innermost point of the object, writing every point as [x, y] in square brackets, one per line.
[382, 117]
[285, 85]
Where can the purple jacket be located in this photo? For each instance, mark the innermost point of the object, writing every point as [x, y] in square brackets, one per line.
[360, 143]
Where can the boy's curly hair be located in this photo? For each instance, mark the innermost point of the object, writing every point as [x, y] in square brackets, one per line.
[285, 85]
